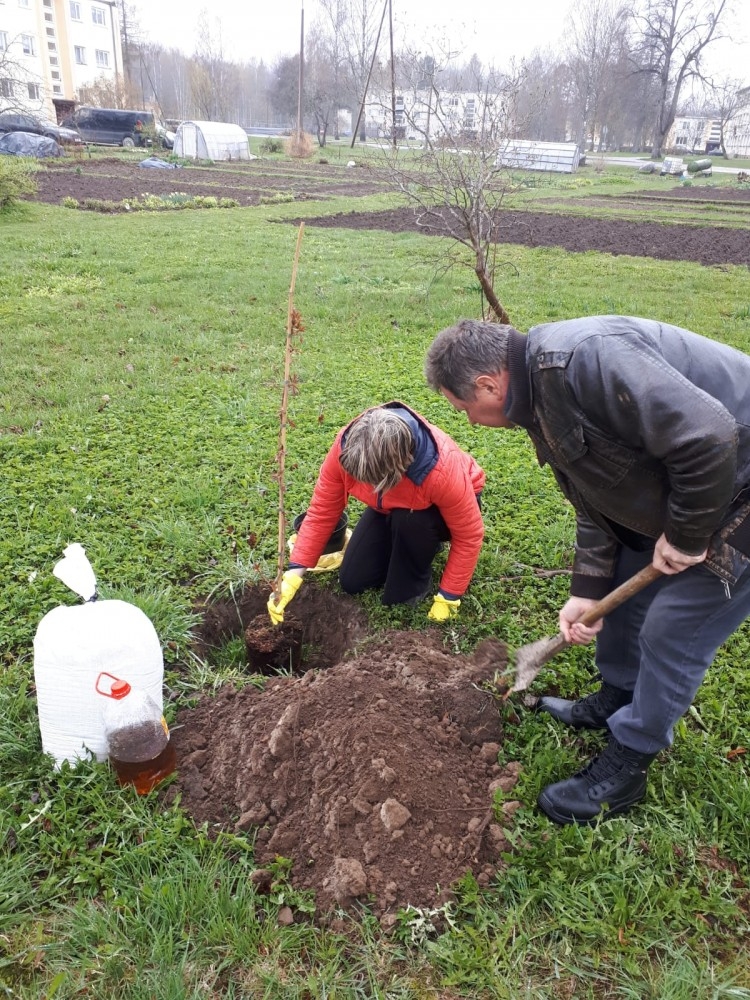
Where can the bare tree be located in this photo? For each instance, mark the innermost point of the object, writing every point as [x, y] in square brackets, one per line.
[595, 35]
[320, 99]
[331, 26]
[549, 118]
[670, 38]
[726, 101]
[455, 183]
[131, 39]
[108, 92]
[284, 88]
[213, 79]
[360, 31]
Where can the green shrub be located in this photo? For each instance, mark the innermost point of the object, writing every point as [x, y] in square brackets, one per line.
[154, 203]
[271, 145]
[276, 199]
[101, 205]
[15, 179]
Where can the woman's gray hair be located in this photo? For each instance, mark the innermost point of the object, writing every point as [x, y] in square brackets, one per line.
[461, 353]
[378, 449]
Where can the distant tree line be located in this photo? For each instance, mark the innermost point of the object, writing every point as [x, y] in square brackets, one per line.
[621, 74]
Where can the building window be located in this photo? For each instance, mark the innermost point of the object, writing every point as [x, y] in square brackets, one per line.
[102, 59]
[57, 89]
[75, 11]
[3, 41]
[53, 61]
[48, 17]
[24, 3]
[28, 45]
[51, 31]
[52, 46]
[80, 54]
[6, 87]
[97, 15]
[47, 3]
[55, 74]
[35, 92]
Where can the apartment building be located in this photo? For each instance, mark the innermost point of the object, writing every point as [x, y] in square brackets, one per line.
[50, 48]
[426, 113]
[737, 130]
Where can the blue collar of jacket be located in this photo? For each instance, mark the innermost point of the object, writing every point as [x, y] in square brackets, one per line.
[425, 447]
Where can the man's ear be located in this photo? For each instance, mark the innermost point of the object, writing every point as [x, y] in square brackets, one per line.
[488, 383]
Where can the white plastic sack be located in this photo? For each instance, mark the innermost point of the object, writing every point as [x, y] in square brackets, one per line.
[72, 646]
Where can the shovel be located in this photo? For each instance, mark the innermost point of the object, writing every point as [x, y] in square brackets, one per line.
[531, 658]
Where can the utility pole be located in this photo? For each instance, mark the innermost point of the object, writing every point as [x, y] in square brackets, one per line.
[369, 74]
[112, 4]
[393, 75]
[301, 67]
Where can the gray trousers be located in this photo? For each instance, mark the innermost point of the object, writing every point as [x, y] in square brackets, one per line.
[660, 644]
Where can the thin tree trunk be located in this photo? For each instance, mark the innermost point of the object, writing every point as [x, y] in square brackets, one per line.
[292, 320]
[489, 293]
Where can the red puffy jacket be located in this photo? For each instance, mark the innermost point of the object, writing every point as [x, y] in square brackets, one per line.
[444, 475]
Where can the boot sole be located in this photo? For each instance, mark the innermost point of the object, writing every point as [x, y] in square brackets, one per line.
[565, 820]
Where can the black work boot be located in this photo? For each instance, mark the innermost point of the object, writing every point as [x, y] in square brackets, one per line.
[590, 712]
[609, 784]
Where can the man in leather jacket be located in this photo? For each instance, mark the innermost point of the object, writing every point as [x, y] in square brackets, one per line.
[646, 428]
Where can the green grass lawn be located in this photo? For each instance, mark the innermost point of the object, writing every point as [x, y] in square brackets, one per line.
[142, 358]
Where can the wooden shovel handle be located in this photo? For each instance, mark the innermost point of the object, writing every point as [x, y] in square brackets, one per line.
[621, 594]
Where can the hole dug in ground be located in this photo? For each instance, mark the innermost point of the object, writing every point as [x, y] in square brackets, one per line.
[376, 776]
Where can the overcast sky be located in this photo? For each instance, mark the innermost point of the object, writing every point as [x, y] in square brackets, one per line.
[494, 29]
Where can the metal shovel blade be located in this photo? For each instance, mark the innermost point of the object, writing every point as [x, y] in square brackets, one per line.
[530, 659]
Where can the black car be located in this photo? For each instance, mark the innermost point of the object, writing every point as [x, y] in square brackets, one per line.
[112, 126]
[12, 121]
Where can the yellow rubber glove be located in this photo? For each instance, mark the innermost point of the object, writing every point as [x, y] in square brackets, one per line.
[290, 584]
[328, 562]
[442, 609]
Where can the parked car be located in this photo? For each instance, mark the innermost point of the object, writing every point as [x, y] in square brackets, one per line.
[11, 121]
[113, 126]
[165, 136]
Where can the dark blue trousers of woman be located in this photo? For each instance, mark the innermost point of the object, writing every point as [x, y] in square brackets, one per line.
[393, 551]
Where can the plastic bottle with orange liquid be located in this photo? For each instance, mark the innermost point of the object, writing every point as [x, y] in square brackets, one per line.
[140, 749]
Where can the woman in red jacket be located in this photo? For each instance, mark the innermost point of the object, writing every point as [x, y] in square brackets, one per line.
[420, 490]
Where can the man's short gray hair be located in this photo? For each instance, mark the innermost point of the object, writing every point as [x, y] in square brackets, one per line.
[461, 353]
[378, 449]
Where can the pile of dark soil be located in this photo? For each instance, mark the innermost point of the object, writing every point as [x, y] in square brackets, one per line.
[376, 776]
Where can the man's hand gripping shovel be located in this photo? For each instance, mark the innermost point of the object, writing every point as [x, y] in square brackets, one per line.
[530, 659]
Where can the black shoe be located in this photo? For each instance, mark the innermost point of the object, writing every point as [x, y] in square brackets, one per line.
[590, 712]
[414, 602]
[609, 784]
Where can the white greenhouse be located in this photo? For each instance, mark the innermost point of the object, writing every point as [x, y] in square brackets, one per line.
[528, 154]
[211, 141]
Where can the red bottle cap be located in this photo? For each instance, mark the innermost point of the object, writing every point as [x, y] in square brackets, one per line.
[120, 689]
